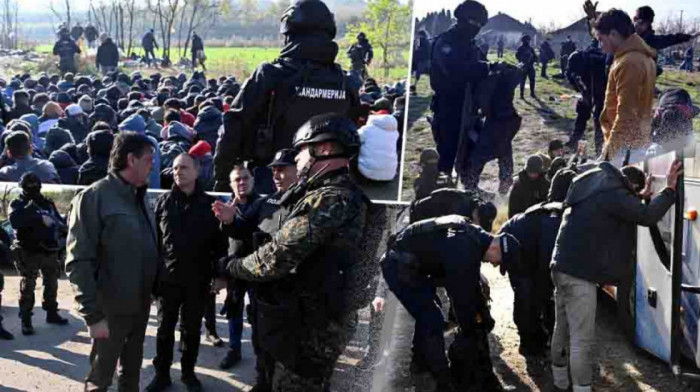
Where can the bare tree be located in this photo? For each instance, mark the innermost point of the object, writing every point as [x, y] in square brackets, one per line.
[130, 6]
[201, 11]
[166, 13]
[59, 15]
[8, 18]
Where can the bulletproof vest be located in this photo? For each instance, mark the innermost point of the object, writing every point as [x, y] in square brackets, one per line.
[441, 51]
[443, 202]
[65, 49]
[310, 90]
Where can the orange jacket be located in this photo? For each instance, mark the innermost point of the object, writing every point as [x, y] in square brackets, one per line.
[626, 117]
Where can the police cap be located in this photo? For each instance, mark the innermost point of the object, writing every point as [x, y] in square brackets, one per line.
[331, 127]
[308, 16]
[284, 157]
[472, 12]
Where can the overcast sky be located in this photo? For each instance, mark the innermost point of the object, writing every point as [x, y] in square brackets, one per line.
[563, 12]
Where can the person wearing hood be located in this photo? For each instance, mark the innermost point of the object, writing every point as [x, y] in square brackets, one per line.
[99, 145]
[178, 140]
[56, 138]
[87, 104]
[20, 105]
[529, 187]
[33, 121]
[209, 120]
[107, 58]
[137, 124]
[627, 114]
[309, 29]
[75, 122]
[38, 102]
[595, 241]
[378, 160]
[105, 113]
[65, 166]
[49, 117]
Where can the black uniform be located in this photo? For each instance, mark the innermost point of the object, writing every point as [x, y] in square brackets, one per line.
[148, 42]
[567, 48]
[586, 73]
[421, 56]
[197, 45]
[527, 57]
[445, 252]
[501, 46]
[107, 56]
[361, 55]
[91, 34]
[277, 99]
[36, 249]
[455, 70]
[533, 310]
[66, 49]
[190, 243]
[546, 55]
[76, 32]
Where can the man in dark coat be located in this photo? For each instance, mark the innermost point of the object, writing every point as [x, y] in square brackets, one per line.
[107, 58]
[66, 49]
[99, 145]
[546, 55]
[567, 47]
[361, 54]
[529, 187]
[527, 58]
[148, 42]
[91, 35]
[197, 47]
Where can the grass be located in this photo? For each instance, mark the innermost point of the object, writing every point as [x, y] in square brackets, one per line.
[241, 62]
[551, 116]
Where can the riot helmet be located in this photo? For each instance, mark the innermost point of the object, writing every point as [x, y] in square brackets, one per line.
[471, 15]
[306, 17]
[30, 184]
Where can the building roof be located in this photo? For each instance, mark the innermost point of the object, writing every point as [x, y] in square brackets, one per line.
[580, 26]
[505, 23]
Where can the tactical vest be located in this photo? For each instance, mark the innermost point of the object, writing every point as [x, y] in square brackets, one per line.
[312, 89]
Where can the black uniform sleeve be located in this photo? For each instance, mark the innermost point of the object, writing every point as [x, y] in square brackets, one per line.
[660, 42]
[23, 215]
[515, 200]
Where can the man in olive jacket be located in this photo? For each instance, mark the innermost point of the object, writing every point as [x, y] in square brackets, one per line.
[112, 262]
[593, 247]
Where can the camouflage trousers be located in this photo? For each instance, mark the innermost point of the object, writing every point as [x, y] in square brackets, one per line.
[318, 353]
[29, 264]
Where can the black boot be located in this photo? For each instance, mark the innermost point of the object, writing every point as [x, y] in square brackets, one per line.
[5, 334]
[52, 317]
[160, 382]
[233, 356]
[191, 382]
[213, 338]
[27, 327]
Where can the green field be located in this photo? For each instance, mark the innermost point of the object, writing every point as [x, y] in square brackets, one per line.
[241, 62]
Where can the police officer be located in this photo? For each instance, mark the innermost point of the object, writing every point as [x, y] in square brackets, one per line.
[567, 48]
[66, 49]
[267, 112]
[536, 229]
[501, 46]
[4, 334]
[260, 222]
[91, 34]
[455, 70]
[447, 252]
[361, 55]
[38, 227]
[305, 315]
[191, 243]
[148, 42]
[77, 32]
[421, 58]
[526, 57]
[586, 73]
[546, 55]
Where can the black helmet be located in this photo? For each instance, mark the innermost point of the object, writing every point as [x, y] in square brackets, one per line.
[63, 32]
[329, 127]
[30, 183]
[526, 38]
[361, 36]
[308, 16]
[472, 12]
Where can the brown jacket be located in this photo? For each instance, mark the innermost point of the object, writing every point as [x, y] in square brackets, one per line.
[626, 117]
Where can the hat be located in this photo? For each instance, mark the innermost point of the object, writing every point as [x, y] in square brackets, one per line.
[85, 102]
[534, 165]
[284, 157]
[200, 149]
[74, 110]
[510, 252]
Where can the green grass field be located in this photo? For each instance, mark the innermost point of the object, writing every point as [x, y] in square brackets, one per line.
[241, 62]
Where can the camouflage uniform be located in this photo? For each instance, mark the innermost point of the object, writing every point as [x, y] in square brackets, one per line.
[304, 266]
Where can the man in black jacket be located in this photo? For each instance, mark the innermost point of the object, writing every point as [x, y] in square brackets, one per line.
[644, 18]
[91, 34]
[197, 47]
[99, 145]
[527, 58]
[148, 42]
[190, 243]
[107, 58]
[66, 49]
[267, 112]
[38, 227]
[529, 187]
[593, 247]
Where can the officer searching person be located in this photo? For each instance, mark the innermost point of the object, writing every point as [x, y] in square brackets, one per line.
[264, 116]
[361, 55]
[448, 252]
[66, 49]
[258, 223]
[38, 228]
[190, 243]
[308, 316]
[455, 70]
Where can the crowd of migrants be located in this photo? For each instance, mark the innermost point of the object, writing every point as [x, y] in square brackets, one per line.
[291, 143]
[572, 221]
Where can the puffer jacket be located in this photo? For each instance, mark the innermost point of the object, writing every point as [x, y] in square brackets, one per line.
[112, 250]
[378, 159]
[65, 166]
[208, 122]
[597, 233]
[626, 117]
